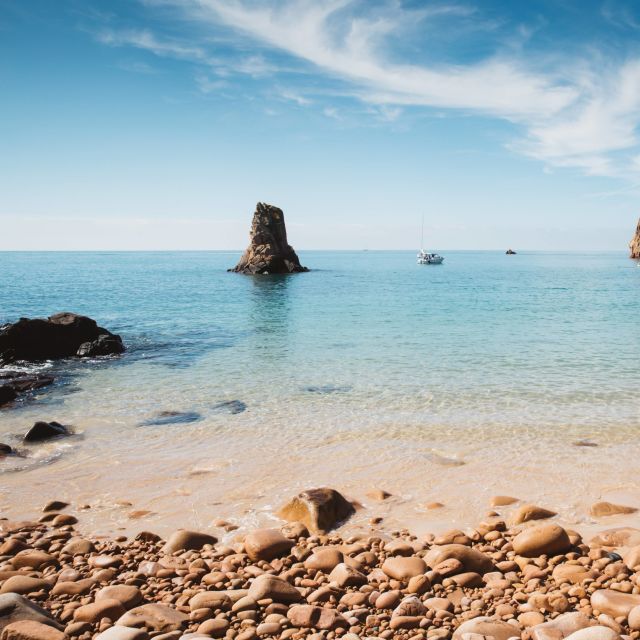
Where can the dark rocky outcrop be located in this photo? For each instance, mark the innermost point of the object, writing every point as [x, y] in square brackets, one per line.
[42, 431]
[14, 383]
[634, 245]
[61, 336]
[510, 252]
[268, 251]
[103, 345]
[7, 395]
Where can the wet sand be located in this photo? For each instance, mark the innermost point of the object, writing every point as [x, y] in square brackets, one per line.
[234, 475]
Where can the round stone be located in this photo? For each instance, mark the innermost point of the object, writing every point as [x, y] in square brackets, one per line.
[543, 539]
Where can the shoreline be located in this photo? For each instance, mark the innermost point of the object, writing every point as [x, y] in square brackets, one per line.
[167, 488]
[502, 578]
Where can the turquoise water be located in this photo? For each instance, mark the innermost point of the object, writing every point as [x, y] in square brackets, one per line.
[428, 363]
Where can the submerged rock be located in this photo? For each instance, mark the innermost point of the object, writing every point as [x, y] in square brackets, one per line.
[527, 512]
[55, 505]
[14, 383]
[22, 382]
[443, 460]
[320, 510]
[230, 406]
[268, 251]
[600, 509]
[61, 336]
[327, 388]
[172, 417]
[5, 449]
[634, 245]
[42, 431]
[618, 537]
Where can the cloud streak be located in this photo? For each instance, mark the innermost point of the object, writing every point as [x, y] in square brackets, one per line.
[145, 39]
[304, 29]
[580, 114]
[603, 122]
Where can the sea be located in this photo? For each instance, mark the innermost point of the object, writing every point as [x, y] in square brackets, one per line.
[442, 384]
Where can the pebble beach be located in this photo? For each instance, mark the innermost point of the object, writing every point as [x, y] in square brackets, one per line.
[516, 576]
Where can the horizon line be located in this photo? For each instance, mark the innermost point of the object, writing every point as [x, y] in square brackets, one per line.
[356, 249]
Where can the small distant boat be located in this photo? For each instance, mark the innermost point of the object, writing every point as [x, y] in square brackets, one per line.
[510, 252]
[424, 257]
[429, 258]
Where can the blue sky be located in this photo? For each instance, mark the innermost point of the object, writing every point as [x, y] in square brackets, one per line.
[158, 124]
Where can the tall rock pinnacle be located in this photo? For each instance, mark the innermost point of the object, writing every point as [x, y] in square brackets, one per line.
[634, 245]
[268, 250]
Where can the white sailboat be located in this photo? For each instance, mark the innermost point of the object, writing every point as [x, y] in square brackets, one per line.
[424, 257]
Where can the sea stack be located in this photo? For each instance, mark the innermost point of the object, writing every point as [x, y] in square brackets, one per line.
[634, 245]
[268, 251]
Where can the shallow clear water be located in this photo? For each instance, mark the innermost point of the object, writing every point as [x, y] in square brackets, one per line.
[430, 380]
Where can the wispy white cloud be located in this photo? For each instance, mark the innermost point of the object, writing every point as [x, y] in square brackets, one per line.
[386, 113]
[255, 66]
[619, 15]
[145, 39]
[307, 30]
[332, 112]
[295, 96]
[604, 121]
[581, 114]
[137, 66]
[208, 85]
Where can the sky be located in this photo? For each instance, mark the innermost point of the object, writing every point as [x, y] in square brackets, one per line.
[158, 124]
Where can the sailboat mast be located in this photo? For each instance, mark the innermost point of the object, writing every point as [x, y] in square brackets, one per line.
[422, 235]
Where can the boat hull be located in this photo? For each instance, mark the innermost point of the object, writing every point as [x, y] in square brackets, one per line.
[431, 260]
